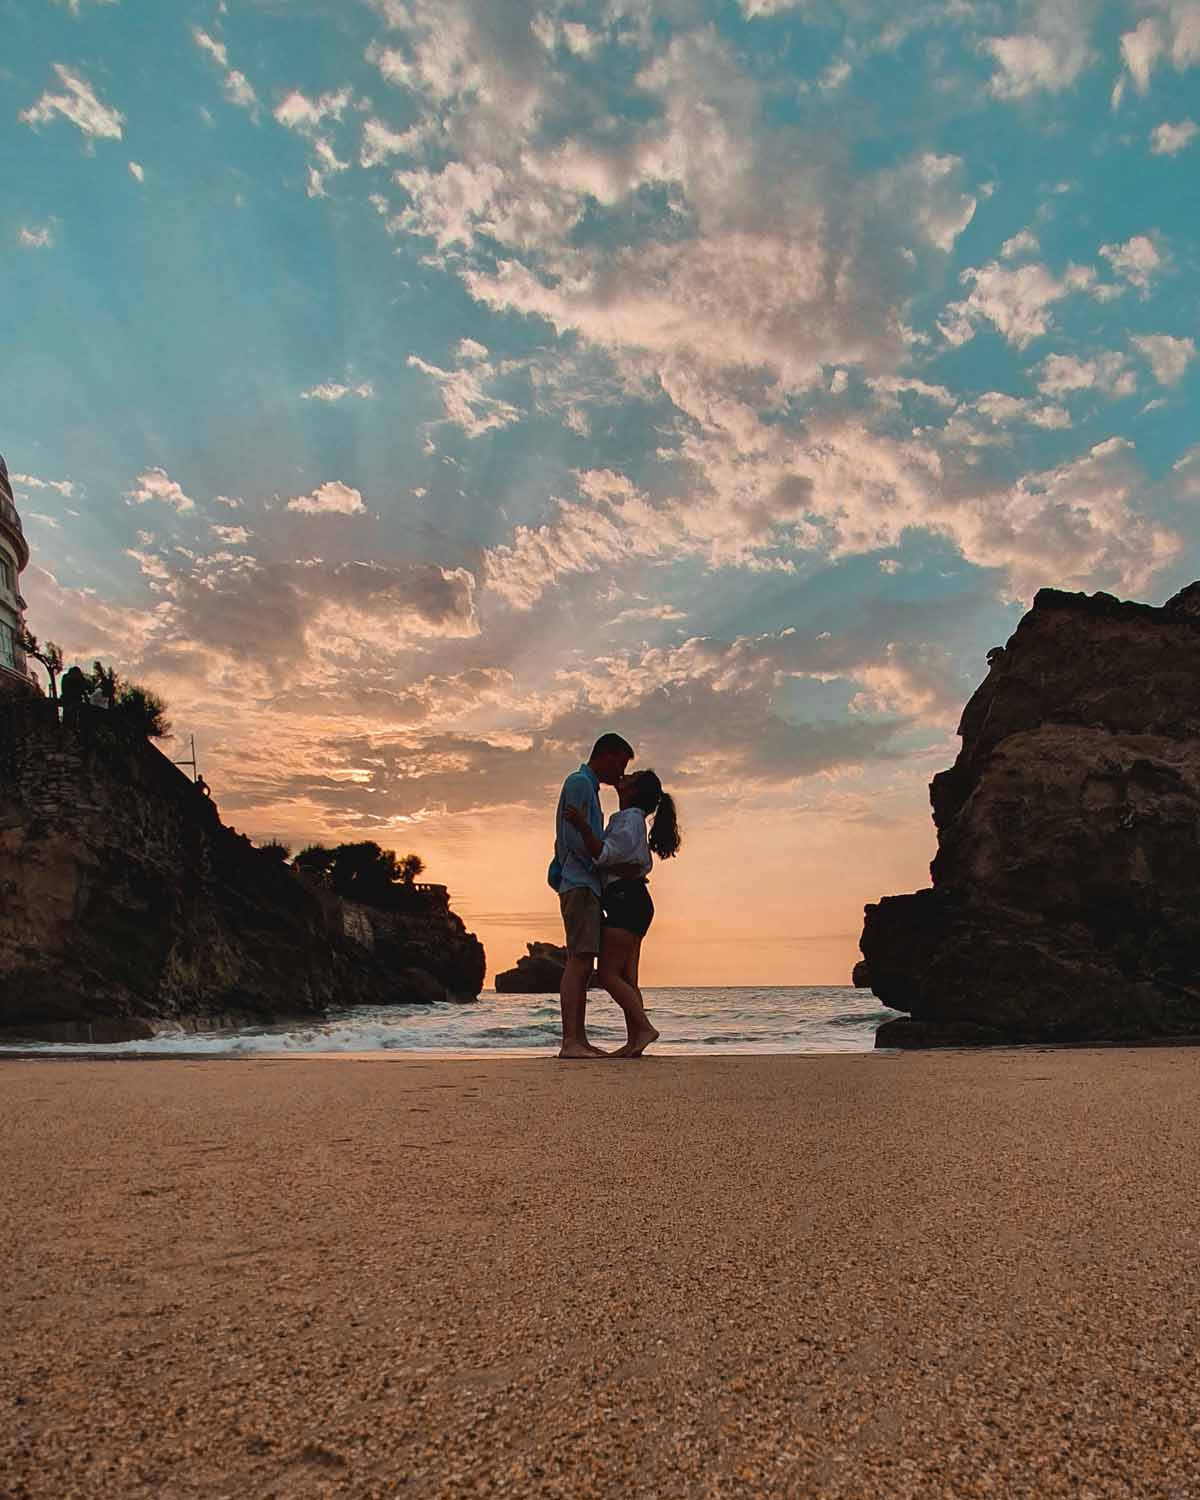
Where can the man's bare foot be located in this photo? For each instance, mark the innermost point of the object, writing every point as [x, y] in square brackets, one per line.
[638, 1042]
[580, 1051]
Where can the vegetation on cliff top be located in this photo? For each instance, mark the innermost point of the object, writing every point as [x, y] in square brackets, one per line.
[362, 872]
[139, 707]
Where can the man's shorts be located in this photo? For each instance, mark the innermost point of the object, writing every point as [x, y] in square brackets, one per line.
[582, 918]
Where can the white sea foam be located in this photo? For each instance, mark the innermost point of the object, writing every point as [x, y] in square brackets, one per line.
[696, 1021]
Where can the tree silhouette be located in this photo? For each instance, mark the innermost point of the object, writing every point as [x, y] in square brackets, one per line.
[144, 710]
[49, 655]
[363, 872]
[315, 859]
[276, 851]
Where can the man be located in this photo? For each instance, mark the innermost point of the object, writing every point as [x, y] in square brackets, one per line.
[573, 875]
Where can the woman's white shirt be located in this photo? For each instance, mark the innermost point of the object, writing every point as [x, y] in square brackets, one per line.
[625, 844]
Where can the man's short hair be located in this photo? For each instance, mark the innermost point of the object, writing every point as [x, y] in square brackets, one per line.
[611, 744]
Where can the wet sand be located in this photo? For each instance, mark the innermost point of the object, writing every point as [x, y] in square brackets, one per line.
[946, 1275]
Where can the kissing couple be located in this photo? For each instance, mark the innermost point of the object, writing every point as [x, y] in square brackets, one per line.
[600, 874]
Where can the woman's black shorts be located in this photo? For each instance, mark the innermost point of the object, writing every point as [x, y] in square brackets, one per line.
[627, 905]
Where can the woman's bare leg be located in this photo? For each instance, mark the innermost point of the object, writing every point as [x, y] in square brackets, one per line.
[619, 952]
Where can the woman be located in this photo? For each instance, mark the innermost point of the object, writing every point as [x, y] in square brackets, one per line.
[623, 857]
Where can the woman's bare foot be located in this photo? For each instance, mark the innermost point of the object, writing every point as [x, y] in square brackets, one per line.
[638, 1042]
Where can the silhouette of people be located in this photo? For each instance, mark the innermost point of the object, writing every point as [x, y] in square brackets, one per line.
[73, 692]
[203, 788]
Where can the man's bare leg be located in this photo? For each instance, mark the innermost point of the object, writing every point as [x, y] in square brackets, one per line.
[618, 961]
[572, 997]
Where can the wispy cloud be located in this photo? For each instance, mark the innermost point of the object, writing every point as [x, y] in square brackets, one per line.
[79, 104]
[1169, 140]
[238, 88]
[157, 485]
[332, 391]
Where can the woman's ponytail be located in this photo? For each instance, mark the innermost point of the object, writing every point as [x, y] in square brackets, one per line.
[665, 837]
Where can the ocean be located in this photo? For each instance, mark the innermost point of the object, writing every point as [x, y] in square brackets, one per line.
[700, 1022]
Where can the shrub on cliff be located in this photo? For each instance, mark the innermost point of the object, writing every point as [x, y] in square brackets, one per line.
[144, 710]
[363, 872]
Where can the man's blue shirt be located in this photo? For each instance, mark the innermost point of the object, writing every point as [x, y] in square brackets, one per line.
[572, 869]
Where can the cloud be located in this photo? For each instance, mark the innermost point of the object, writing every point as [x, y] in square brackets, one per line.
[331, 391]
[232, 536]
[331, 499]
[37, 239]
[1169, 140]
[1075, 526]
[663, 613]
[138, 171]
[1167, 355]
[1106, 372]
[1136, 261]
[65, 487]
[380, 142]
[1049, 56]
[1016, 302]
[611, 523]
[298, 112]
[156, 484]
[1173, 35]
[84, 624]
[322, 615]
[1003, 409]
[238, 89]
[308, 116]
[465, 402]
[79, 105]
[928, 192]
[481, 57]
[1025, 242]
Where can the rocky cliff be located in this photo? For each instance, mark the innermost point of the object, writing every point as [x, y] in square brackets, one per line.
[1065, 903]
[125, 903]
[538, 971]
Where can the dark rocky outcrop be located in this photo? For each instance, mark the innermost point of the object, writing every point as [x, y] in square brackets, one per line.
[538, 972]
[1065, 904]
[126, 904]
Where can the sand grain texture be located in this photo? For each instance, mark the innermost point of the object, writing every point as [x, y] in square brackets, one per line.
[944, 1275]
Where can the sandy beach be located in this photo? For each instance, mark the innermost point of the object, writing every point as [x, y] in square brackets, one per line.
[946, 1275]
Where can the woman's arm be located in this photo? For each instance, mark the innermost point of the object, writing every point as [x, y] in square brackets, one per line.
[617, 853]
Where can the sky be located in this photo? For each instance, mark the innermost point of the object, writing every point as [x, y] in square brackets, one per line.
[411, 390]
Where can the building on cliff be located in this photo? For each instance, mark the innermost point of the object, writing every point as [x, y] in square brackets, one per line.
[14, 558]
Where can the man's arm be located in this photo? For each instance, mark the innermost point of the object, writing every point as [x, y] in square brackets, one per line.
[576, 797]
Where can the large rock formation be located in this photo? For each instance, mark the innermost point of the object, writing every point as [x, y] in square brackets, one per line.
[539, 971]
[125, 903]
[1066, 889]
